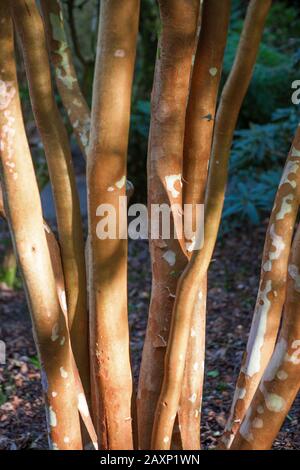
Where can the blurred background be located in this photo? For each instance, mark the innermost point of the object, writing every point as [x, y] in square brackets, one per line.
[266, 126]
[267, 120]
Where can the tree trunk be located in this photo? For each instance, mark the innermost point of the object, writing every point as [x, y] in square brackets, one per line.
[205, 83]
[30, 29]
[23, 209]
[280, 381]
[106, 176]
[165, 154]
[65, 74]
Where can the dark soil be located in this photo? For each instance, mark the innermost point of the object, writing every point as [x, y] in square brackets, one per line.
[233, 284]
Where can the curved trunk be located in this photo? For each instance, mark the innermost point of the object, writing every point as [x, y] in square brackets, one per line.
[106, 174]
[24, 213]
[271, 296]
[281, 379]
[165, 152]
[30, 29]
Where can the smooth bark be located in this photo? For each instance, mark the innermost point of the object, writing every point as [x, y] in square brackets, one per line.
[65, 73]
[165, 153]
[106, 178]
[54, 137]
[24, 213]
[188, 287]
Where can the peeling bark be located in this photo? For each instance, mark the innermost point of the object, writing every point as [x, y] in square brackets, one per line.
[280, 381]
[271, 295]
[272, 292]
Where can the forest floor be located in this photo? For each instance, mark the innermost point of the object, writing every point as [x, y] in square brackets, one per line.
[233, 284]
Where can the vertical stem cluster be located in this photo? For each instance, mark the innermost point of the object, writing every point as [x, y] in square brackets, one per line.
[188, 286]
[54, 137]
[23, 209]
[106, 176]
[188, 154]
[199, 128]
[165, 152]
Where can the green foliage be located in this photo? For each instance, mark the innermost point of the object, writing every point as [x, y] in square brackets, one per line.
[263, 137]
[8, 277]
[257, 160]
[140, 115]
[35, 362]
[213, 373]
[275, 68]
[8, 268]
[3, 396]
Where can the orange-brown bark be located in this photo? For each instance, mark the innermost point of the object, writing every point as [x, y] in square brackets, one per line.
[189, 282]
[106, 176]
[168, 108]
[24, 213]
[65, 73]
[281, 380]
[205, 83]
[54, 137]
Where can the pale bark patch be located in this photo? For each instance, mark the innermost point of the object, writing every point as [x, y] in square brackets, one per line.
[171, 180]
[63, 373]
[119, 53]
[286, 207]
[258, 423]
[82, 405]
[52, 417]
[7, 92]
[253, 362]
[213, 71]
[170, 257]
[55, 335]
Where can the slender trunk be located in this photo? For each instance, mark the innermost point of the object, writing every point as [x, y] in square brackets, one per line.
[55, 257]
[106, 173]
[201, 108]
[30, 29]
[281, 379]
[188, 286]
[189, 412]
[169, 100]
[66, 78]
[205, 83]
[65, 74]
[23, 209]
[270, 299]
